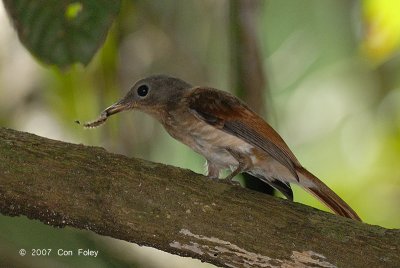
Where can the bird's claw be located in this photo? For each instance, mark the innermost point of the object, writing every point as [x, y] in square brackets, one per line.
[231, 182]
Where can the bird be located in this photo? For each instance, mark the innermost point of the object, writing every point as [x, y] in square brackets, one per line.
[226, 132]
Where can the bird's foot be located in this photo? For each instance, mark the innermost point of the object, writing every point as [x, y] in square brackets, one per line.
[232, 182]
[229, 180]
[226, 180]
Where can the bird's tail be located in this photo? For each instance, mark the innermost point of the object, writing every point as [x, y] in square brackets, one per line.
[325, 194]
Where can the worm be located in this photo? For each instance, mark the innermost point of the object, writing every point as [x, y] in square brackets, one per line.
[93, 124]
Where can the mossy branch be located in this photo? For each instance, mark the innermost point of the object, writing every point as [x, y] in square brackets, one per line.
[178, 211]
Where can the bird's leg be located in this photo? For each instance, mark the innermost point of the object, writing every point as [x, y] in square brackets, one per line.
[212, 170]
[244, 164]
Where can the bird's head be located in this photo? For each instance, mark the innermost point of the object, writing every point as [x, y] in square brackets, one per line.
[153, 95]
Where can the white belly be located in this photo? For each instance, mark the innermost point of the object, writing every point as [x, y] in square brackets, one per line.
[211, 143]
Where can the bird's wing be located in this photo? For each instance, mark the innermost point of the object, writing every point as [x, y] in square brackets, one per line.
[226, 112]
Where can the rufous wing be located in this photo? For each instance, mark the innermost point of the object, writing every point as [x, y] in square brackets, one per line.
[231, 115]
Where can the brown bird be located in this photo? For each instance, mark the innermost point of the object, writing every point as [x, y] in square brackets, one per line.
[226, 132]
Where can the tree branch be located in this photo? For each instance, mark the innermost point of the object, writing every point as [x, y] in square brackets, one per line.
[178, 211]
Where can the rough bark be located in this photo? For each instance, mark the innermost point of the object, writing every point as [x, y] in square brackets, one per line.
[178, 211]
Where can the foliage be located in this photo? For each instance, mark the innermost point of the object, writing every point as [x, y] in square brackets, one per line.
[62, 32]
[382, 31]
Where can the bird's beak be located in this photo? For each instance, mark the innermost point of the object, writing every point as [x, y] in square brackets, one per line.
[117, 107]
[122, 105]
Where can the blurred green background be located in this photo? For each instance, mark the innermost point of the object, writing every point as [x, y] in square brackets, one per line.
[333, 71]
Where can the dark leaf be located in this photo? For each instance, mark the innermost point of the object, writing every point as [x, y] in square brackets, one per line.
[62, 32]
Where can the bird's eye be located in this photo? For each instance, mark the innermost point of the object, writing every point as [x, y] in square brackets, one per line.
[142, 90]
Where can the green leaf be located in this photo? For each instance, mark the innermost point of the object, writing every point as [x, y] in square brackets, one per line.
[62, 32]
